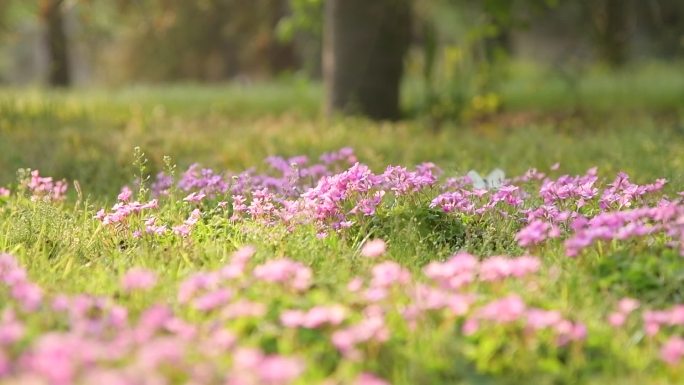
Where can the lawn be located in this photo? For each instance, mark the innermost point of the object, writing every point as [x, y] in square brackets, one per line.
[277, 259]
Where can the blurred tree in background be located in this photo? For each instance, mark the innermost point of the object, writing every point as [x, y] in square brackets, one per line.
[452, 55]
[365, 44]
[51, 15]
[209, 40]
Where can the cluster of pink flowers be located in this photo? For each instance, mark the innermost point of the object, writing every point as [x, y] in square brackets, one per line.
[463, 269]
[139, 279]
[667, 217]
[285, 271]
[512, 309]
[252, 367]
[314, 317]
[371, 329]
[573, 189]
[654, 321]
[536, 232]
[21, 289]
[232, 307]
[672, 351]
[204, 180]
[402, 181]
[373, 248]
[123, 210]
[304, 193]
[575, 209]
[184, 229]
[93, 340]
[45, 188]
[475, 201]
[622, 193]
[625, 307]
[292, 175]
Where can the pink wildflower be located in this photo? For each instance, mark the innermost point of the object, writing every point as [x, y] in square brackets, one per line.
[125, 194]
[138, 279]
[617, 319]
[194, 197]
[373, 248]
[369, 379]
[673, 350]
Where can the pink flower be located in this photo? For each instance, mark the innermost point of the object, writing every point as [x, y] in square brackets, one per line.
[195, 197]
[369, 379]
[458, 271]
[541, 319]
[285, 271]
[315, 317]
[184, 229]
[617, 319]
[373, 248]
[138, 279]
[125, 194]
[242, 309]
[251, 366]
[276, 370]
[505, 310]
[371, 328]
[389, 273]
[355, 284]
[628, 305]
[470, 326]
[213, 299]
[5, 364]
[672, 351]
[28, 294]
[4, 192]
[11, 330]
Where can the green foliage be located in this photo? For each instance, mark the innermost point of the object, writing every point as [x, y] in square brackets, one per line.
[305, 16]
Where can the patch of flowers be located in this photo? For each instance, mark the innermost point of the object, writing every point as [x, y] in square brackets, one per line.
[276, 320]
[92, 337]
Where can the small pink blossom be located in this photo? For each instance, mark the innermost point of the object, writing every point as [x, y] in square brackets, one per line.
[369, 379]
[125, 194]
[194, 197]
[617, 319]
[628, 305]
[373, 248]
[138, 279]
[315, 317]
[673, 350]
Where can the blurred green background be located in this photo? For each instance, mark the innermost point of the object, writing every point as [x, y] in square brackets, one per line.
[478, 84]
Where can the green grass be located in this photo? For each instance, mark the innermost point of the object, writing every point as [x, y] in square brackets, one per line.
[89, 136]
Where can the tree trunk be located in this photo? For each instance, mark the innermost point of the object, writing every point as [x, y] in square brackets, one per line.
[610, 21]
[364, 46]
[282, 56]
[58, 53]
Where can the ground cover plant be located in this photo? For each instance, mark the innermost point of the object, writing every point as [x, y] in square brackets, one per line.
[511, 296]
[301, 251]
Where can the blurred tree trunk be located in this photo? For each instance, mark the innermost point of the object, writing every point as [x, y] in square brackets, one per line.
[52, 17]
[364, 46]
[282, 55]
[610, 24]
